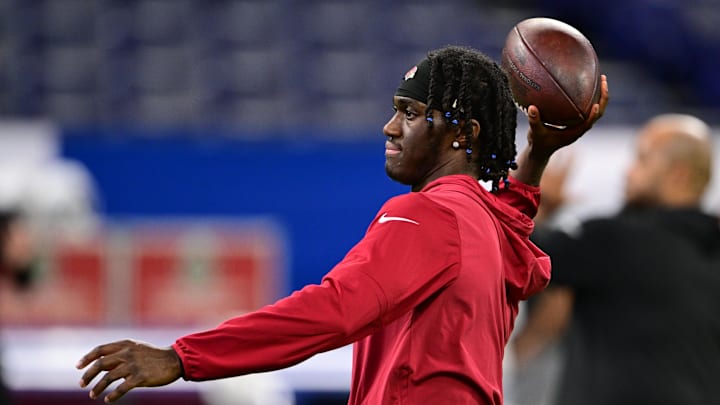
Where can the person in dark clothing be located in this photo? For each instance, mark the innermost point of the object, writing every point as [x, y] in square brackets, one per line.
[16, 253]
[644, 286]
[16, 259]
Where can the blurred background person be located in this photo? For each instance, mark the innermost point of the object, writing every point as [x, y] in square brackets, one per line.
[640, 288]
[535, 355]
[17, 252]
[16, 260]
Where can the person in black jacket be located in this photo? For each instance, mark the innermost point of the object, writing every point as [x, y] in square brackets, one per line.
[16, 260]
[643, 286]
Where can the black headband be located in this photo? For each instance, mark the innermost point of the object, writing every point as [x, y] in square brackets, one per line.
[416, 81]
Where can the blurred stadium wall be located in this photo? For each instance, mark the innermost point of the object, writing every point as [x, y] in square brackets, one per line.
[332, 65]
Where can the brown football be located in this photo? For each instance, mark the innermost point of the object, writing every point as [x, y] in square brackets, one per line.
[553, 66]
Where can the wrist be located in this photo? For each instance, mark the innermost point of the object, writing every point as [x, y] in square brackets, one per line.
[179, 368]
[538, 154]
[530, 167]
[537, 157]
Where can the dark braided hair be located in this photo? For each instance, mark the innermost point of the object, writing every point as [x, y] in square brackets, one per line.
[466, 84]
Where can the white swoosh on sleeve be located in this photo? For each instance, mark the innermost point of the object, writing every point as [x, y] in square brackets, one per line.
[384, 218]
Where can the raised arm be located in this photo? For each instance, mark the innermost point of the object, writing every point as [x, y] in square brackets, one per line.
[543, 140]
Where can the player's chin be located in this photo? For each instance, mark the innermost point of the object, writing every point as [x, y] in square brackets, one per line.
[395, 172]
[390, 168]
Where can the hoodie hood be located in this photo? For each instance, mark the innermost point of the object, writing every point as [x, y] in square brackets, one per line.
[526, 268]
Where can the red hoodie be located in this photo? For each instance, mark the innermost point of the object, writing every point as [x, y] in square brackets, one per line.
[429, 297]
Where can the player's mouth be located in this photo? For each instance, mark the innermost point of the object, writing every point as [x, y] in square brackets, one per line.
[391, 149]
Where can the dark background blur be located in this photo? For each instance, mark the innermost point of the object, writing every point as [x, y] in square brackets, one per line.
[288, 66]
[276, 106]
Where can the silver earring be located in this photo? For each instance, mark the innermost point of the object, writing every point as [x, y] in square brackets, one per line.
[456, 145]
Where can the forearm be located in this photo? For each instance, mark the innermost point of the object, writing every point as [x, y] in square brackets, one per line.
[531, 164]
[313, 320]
[373, 285]
[525, 197]
[543, 140]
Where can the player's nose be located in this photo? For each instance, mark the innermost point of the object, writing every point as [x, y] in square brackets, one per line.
[392, 127]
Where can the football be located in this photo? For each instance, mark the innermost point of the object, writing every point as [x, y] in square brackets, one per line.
[553, 66]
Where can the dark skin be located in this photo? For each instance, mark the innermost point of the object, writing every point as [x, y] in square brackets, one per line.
[138, 363]
[418, 155]
[543, 140]
[425, 153]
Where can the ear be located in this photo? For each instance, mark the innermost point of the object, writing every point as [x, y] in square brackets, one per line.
[475, 127]
[679, 175]
[676, 182]
[472, 130]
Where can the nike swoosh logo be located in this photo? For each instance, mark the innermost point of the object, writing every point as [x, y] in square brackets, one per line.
[384, 218]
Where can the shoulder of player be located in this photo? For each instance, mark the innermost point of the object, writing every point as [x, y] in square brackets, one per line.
[417, 205]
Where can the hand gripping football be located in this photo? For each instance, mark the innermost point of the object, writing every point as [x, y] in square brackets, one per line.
[554, 67]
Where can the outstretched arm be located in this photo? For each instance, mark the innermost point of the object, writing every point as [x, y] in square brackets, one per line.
[373, 285]
[543, 140]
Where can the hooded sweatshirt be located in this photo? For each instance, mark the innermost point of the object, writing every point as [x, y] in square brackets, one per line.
[428, 296]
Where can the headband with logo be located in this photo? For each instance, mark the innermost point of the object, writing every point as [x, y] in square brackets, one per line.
[416, 81]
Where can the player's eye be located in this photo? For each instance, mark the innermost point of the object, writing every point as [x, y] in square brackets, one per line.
[409, 114]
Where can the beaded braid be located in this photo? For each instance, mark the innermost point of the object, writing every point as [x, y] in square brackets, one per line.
[437, 83]
[466, 84]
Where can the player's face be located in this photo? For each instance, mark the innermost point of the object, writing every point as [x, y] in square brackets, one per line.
[647, 173]
[413, 151]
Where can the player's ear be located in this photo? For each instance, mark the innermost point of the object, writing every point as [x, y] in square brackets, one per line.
[470, 130]
[474, 126]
